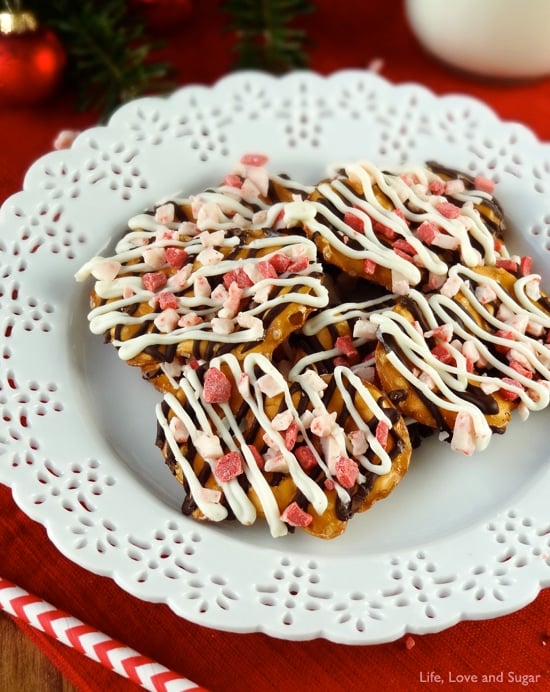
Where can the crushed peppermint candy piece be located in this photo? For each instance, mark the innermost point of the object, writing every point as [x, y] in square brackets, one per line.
[233, 180]
[201, 286]
[358, 440]
[463, 439]
[232, 303]
[269, 385]
[427, 232]
[165, 213]
[222, 325]
[167, 320]
[178, 429]
[65, 138]
[208, 445]
[310, 378]
[354, 221]
[282, 420]
[259, 177]
[154, 257]
[191, 319]
[454, 187]
[208, 495]
[364, 329]
[323, 423]
[209, 256]
[275, 461]
[254, 324]
[212, 238]
[105, 270]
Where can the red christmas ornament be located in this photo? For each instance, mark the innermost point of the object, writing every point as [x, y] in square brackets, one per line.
[162, 15]
[32, 59]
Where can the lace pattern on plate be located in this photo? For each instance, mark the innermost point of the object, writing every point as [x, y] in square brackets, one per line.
[458, 539]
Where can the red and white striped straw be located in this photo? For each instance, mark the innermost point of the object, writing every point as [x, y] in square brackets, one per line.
[94, 644]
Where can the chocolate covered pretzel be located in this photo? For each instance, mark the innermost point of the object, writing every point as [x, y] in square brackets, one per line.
[246, 442]
[463, 359]
[402, 227]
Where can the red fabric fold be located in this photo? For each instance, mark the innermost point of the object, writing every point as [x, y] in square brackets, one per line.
[349, 35]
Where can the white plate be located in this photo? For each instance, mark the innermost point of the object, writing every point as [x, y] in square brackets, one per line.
[459, 538]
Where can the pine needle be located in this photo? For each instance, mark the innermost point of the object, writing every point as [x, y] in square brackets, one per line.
[109, 58]
[265, 36]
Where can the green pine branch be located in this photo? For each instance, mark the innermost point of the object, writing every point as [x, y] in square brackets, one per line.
[266, 35]
[109, 56]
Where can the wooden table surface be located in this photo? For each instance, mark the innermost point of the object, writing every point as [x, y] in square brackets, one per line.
[23, 667]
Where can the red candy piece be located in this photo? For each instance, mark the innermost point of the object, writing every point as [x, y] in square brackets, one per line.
[509, 264]
[266, 270]
[305, 457]
[291, 435]
[436, 186]
[427, 232]
[280, 262]
[238, 276]
[345, 345]
[404, 246]
[507, 393]
[526, 265]
[153, 281]
[485, 184]
[254, 159]
[167, 299]
[258, 458]
[295, 515]
[353, 221]
[504, 334]
[228, 467]
[369, 267]
[176, 256]
[443, 355]
[233, 180]
[298, 265]
[521, 369]
[382, 431]
[346, 472]
[384, 230]
[448, 210]
[216, 387]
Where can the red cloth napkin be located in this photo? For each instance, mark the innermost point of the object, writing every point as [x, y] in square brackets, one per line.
[347, 35]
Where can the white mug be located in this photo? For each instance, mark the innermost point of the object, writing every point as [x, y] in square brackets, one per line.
[505, 39]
